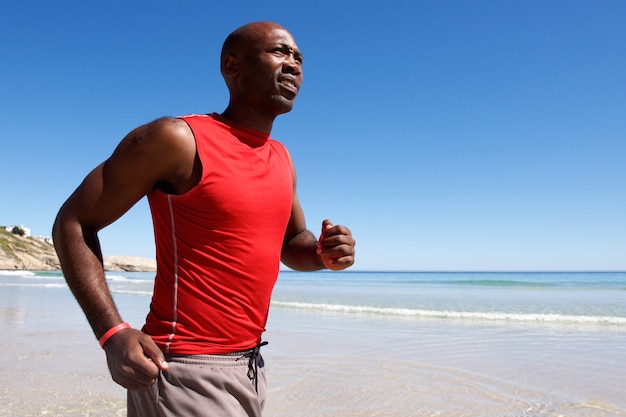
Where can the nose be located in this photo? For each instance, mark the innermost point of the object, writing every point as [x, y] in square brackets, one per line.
[292, 65]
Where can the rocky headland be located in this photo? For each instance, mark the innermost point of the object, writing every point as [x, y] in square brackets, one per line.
[38, 254]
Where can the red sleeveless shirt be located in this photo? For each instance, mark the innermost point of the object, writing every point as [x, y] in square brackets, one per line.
[218, 245]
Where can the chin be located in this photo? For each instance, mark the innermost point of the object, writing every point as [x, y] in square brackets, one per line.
[282, 105]
[286, 110]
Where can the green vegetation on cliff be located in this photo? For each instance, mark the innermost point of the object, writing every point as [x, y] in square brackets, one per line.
[21, 252]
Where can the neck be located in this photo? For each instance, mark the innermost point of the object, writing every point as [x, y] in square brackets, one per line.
[248, 118]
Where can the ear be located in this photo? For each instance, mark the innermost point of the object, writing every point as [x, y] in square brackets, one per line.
[231, 67]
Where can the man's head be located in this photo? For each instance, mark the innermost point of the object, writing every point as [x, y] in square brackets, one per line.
[262, 67]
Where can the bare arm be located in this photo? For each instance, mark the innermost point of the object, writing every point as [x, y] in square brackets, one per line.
[161, 151]
[302, 251]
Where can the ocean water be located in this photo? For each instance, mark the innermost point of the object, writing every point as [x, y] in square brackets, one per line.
[363, 344]
[590, 299]
[593, 300]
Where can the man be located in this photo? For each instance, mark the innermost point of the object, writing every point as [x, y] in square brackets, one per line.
[225, 211]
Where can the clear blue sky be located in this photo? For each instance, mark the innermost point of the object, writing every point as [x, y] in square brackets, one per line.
[448, 135]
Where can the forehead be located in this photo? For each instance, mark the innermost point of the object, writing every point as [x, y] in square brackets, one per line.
[275, 35]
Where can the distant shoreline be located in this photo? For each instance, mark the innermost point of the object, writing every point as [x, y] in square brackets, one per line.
[129, 264]
[111, 264]
[26, 253]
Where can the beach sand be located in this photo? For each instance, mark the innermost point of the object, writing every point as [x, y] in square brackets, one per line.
[326, 364]
[359, 366]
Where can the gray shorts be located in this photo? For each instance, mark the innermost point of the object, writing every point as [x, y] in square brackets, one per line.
[230, 385]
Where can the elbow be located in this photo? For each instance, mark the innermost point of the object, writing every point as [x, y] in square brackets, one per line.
[56, 227]
[67, 228]
[61, 222]
[60, 229]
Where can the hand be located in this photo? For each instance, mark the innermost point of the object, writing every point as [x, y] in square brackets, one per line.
[134, 359]
[336, 246]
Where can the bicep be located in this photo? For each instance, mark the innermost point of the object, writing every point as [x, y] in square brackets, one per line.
[297, 222]
[297, 236]
[104, 196]
[145, 156]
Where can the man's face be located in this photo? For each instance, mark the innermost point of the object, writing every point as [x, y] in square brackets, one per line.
[271, 70]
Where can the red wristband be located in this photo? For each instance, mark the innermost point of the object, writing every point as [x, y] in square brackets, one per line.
[113, 330]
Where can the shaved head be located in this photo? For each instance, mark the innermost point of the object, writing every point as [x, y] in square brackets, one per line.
[244, 37]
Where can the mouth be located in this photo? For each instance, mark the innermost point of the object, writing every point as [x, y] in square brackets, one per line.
[290, 85]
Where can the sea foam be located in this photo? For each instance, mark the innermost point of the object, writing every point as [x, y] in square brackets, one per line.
[457, 315]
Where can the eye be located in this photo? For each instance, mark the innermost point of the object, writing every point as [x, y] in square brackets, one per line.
[278, 51]
[284, 50]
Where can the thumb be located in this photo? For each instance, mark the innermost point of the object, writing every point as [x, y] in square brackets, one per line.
[152, 351]
[327, 224]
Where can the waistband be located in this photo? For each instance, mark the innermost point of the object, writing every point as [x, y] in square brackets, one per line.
[226, 359]
[250, 358]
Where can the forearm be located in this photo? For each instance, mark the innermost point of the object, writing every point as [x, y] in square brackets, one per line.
[133, 358]
[79, 253]
[300, 253]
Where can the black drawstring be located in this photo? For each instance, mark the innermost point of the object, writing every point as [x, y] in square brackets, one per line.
[253, 368]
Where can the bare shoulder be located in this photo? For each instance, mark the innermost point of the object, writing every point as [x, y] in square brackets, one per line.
[163, 132]
[170, 126]
[166, 142]
[164, 151]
